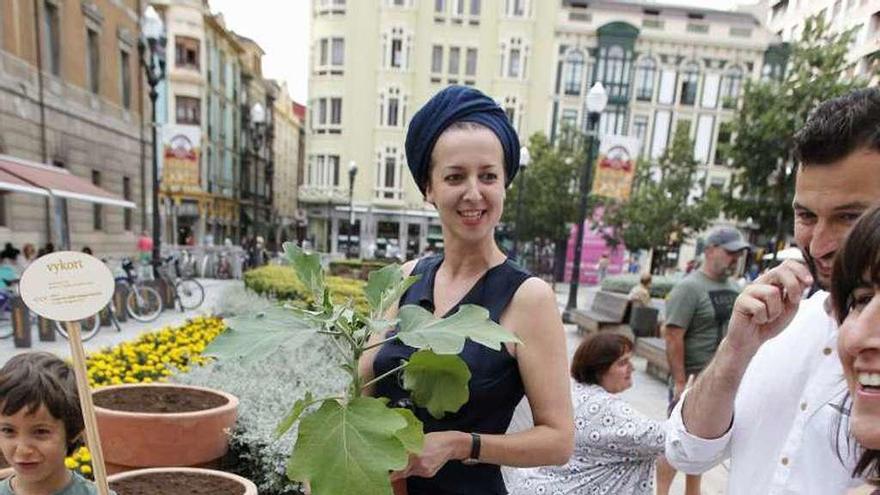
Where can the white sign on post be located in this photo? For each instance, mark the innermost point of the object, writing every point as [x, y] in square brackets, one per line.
[70, 286]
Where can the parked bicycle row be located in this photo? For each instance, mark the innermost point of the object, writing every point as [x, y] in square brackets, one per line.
[138, 295]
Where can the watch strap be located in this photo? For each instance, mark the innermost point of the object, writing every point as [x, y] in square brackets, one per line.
[475, 448]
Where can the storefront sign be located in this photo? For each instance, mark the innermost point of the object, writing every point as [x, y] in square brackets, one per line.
[181, 158]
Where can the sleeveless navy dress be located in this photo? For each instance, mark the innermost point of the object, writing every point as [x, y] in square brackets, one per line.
[495, 387]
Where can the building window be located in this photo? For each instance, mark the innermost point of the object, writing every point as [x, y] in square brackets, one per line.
[392, 108]
[470, 66]
[613, 70]
[323, 171]
[440, 7]
[437, 59]
[640, 131]
[731, 84]
[646, 71]
[52, 38]
[126, 212]
[389, 167]
[93, 61]
[331, 56]
[188, 110]
[514, 59]
[125, 79]
[186, 52]
[458, 8]
[574, 73]
[722, 146]
[475, 8]
[327, 118]
[515, 8]
[396, 48]
[454, 60]
[97, 209]
[324, 7]
[569, 119]
[513, 110]
[689, 79]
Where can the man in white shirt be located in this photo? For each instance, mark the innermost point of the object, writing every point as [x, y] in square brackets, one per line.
[767, 399]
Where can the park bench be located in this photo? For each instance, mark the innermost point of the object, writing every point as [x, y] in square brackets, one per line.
[653, 349]
[608, 312]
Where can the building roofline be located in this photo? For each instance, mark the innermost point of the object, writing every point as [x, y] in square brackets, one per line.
[670, 8]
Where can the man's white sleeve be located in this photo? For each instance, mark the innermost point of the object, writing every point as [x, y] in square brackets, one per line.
[691, 454]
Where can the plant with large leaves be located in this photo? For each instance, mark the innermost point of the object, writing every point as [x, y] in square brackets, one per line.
[351, 440]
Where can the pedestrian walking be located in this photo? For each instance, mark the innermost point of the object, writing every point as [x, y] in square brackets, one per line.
[764, 400]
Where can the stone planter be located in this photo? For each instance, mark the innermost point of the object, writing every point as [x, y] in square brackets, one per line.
[132, 440]
[181, 473]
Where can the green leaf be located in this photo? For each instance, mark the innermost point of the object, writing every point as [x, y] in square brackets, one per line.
[384, 288]
[254, 336]
[344, 447]
[412, 436]
[294, 414]
[437, 382]
[308, 269]
[419, 329]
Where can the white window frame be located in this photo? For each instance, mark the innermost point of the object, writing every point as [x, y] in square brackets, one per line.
[385, 97]
[324, 59]
[381, 190]
[322, 171]
[568, 74]
[323, 113]
[517, 9]
[508, 48]
[388, 38]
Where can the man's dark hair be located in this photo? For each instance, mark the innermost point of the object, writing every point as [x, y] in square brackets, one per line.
[838, 127]
[32, 379]
[596, 354]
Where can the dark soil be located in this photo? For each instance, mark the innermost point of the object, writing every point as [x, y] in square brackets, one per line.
[177, 484]
[158, 400]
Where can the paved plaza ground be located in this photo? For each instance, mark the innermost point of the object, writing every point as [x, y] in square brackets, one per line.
[648, 394]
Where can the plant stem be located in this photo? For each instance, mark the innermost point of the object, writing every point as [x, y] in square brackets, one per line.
[383, 375]
[382, 342]
[326, 332]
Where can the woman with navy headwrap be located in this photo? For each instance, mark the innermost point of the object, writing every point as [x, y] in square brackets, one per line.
[463, 153]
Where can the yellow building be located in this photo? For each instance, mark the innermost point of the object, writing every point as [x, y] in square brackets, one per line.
[289, 150]
[374, 63]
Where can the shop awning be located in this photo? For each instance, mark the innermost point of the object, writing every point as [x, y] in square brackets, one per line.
[30, 177]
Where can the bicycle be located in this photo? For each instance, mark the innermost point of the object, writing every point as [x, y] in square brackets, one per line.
[188, 292]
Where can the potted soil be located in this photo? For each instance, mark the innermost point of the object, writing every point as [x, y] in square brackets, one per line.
[192, 481]
[161, 424]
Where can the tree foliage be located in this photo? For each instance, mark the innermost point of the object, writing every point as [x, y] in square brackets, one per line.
[664, 206]
[772, 112]
[548, 189]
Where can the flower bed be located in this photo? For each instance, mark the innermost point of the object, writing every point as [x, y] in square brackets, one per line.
[280, 282]
[660, 285]
[152, 357]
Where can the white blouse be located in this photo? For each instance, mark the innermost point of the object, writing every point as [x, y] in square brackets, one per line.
[614, 452]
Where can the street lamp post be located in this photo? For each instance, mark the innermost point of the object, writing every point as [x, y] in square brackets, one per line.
[151, 47]
[524, 161]
[352, 172]
[257, 130]
[597, 98]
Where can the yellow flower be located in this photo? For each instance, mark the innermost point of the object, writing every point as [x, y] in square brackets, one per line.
[70, 463]
[86, 469]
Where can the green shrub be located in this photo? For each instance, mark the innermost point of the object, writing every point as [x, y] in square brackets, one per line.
[660, 285]
[280, 282]
[355, 268]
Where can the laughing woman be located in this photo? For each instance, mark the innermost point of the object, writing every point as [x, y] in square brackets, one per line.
[463, 153]
[856, 295]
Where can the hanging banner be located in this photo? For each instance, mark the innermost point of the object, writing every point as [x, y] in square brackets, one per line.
[180, 170]
[615, 167]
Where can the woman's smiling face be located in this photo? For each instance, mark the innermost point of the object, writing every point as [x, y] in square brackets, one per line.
[859, 349]
[467, 181]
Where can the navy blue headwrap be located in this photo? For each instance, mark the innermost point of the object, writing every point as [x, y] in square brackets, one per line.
[457, 104]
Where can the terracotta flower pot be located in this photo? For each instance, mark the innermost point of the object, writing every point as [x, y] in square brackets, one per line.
[399, 487]
[132, 440]
[249, 487]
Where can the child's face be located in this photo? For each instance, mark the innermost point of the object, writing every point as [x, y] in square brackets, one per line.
[35, 446]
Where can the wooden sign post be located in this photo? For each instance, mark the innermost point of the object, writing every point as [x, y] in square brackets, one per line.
[69, 286]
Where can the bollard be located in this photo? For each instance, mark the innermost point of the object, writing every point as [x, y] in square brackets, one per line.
[46, 329]
[21, 323]
[120, 294]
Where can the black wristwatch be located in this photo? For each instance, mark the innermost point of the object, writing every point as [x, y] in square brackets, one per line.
[474, 458]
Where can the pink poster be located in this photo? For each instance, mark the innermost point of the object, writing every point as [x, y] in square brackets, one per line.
[592, 249]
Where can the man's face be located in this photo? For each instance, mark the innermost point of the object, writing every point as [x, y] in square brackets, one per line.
[828, 199]
[721, 263]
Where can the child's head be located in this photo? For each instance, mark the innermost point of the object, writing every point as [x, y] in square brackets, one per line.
[40, 415]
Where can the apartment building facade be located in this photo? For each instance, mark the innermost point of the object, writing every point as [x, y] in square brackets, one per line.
[73, 148]
[289, 149]
[374, 63]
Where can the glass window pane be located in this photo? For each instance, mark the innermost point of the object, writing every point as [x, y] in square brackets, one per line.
[437, 59]
[471, 63]
[454, 59]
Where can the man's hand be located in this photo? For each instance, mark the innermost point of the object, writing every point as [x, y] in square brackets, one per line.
[767, 306]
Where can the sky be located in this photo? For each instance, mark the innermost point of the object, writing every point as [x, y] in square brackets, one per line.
[281, 28]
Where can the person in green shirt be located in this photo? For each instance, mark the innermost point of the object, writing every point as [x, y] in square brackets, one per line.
[697, 311]
[40, 424]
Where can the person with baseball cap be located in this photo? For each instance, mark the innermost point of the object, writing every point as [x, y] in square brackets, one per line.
[697, 312]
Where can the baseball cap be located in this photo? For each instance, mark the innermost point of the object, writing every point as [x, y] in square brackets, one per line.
[728, 238]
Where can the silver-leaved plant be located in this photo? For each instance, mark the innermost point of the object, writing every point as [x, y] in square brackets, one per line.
[352, 440]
